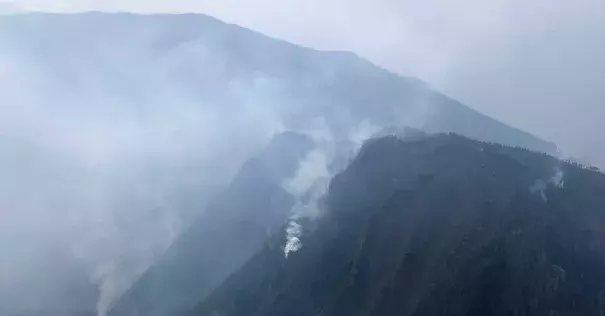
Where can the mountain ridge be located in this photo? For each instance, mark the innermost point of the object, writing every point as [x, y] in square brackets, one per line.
[434, 226]
[301, 77]
[117, 72]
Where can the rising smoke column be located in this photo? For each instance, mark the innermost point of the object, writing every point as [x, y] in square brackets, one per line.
[307, 186]
[311, 180]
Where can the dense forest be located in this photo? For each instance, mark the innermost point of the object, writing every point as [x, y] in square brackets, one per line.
[437, 225]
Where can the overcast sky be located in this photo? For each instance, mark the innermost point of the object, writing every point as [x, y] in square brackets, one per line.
[536, 64]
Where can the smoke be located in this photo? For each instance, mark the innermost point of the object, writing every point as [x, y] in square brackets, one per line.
[104, 173]
[510, 59]
[107, 151]
[109, 147]
[293, 234]
[311, 180]
[558, 179]
[109, 287]
[307, 186]
[540, 186]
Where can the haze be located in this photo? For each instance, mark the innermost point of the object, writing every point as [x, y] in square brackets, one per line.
[90, 181]
[537, 65]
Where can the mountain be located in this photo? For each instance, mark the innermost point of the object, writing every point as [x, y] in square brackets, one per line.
[437, 225]
[231, 230]
[133, 122]
[154, 61]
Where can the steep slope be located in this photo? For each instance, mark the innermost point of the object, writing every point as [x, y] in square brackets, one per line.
[156, 59]
[184, 99]
[437, 225]
[232, 229]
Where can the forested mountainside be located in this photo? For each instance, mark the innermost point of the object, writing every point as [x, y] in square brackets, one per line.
[437, 225]
[151, 61]
[232, 229]
[129, 124]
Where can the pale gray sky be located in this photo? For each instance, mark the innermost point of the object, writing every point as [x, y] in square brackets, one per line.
[538, 65]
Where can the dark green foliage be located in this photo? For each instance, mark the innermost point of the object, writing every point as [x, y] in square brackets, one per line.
[437, 225]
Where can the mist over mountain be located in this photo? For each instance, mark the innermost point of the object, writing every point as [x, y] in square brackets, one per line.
[230, 231]
[435, 225]
[121, 133]
[201, 60]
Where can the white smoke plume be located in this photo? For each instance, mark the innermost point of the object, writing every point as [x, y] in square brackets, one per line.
[314, 173]
[540, 186]
[558, 179]
[307, 186]
[293, 234]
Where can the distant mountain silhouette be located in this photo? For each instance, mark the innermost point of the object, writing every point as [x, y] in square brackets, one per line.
[196, 58]
[437, 225]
